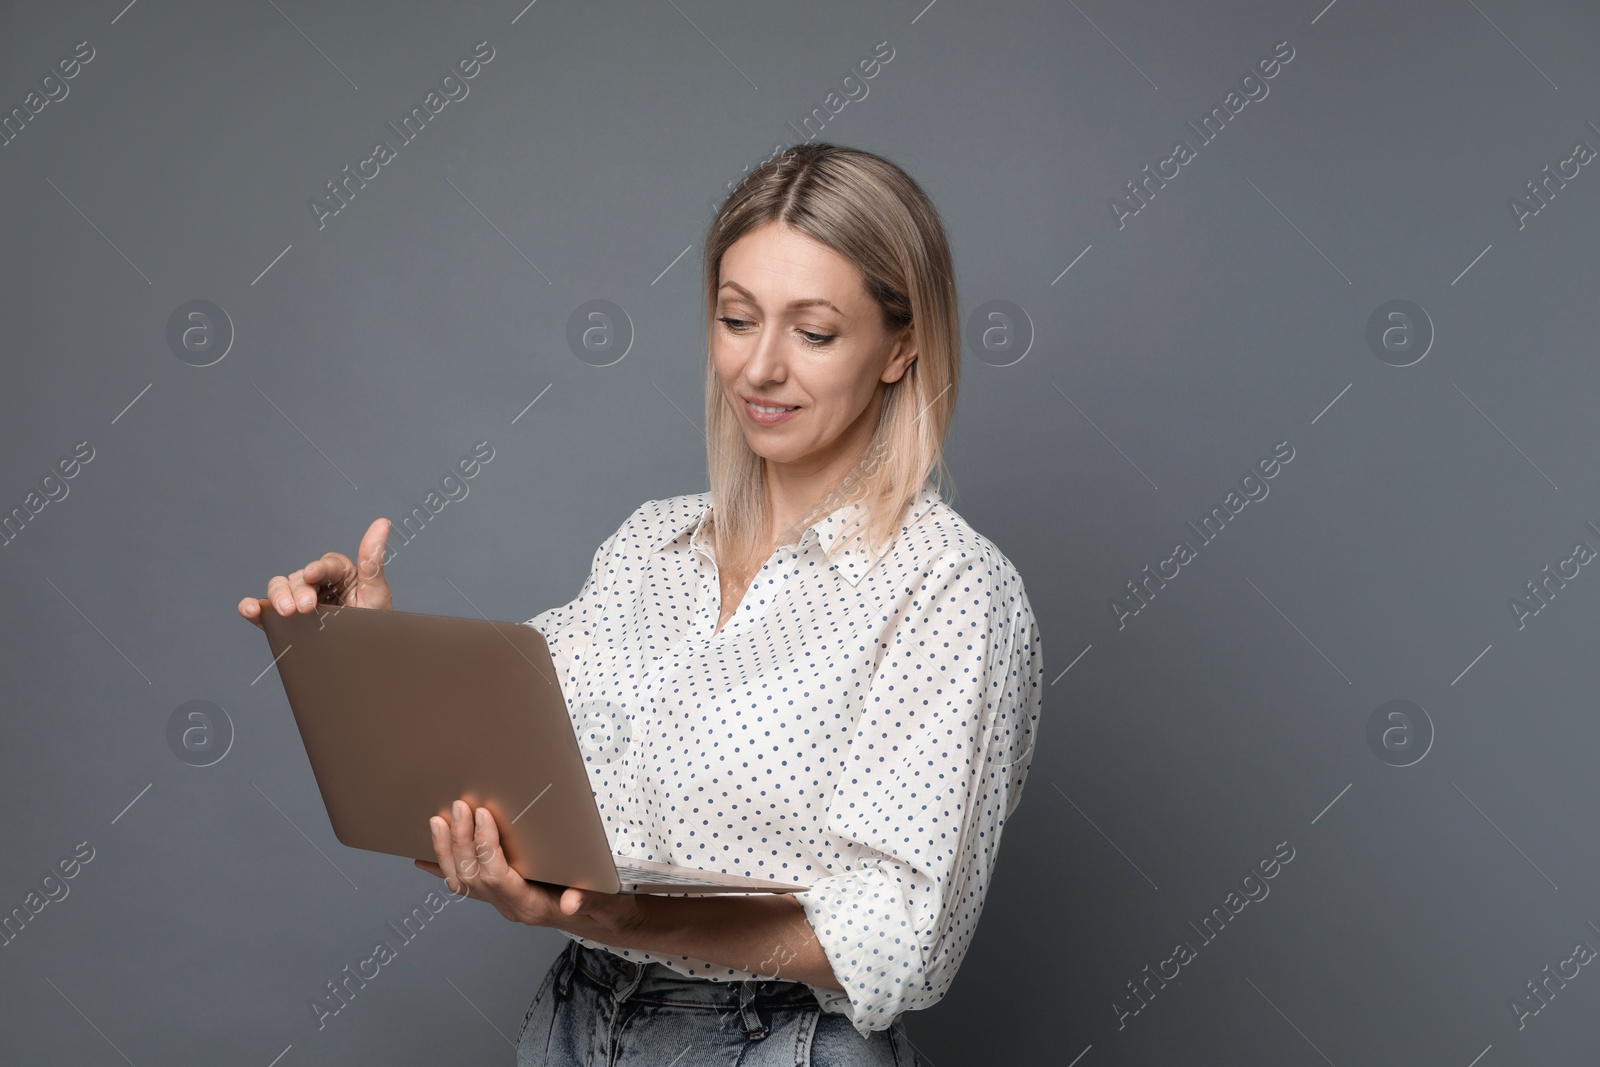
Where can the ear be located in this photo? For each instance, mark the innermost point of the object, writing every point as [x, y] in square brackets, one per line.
[905, 353]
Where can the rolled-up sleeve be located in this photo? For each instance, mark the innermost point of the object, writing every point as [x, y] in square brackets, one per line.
[936, 765]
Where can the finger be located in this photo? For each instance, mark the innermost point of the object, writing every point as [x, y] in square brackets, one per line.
[278, 593]
[488, 862]
[439, 830]
[463, 847]
[303, 595]
[333, 577]
[572, 900]
[250, 608]
[369, 556]
[475, 842]
[431, 867]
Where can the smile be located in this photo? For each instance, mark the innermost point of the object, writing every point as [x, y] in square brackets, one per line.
[768, 416]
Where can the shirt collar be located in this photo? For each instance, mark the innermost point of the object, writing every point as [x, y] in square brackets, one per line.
[852, 560]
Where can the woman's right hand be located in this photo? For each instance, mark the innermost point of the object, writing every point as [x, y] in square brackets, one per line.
[333, 579]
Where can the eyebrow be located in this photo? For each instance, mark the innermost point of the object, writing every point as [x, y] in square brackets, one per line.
[812, 302]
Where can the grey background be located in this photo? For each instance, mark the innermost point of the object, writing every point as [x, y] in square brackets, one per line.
[1228, 315]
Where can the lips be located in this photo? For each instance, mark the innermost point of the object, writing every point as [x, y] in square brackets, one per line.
[758, 417]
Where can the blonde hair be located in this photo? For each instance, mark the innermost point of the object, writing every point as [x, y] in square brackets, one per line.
[873, 214]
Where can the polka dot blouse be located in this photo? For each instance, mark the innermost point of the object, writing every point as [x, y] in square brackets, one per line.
[862, 724]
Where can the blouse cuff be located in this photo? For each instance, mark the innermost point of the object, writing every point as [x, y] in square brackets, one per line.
[867, 930]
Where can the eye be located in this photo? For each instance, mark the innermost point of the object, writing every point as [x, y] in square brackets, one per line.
[811, 338]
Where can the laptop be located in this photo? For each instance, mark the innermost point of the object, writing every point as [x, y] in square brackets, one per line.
[402, 713]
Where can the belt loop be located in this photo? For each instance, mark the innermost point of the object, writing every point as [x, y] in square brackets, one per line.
[754, 1028]
[569, 962]
[628, 976]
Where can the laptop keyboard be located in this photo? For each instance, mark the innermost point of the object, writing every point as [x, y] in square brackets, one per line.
[641, 874]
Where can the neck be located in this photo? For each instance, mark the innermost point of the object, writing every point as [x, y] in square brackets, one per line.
[794, 492]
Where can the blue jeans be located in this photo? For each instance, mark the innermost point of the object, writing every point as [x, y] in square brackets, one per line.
[596, 1009]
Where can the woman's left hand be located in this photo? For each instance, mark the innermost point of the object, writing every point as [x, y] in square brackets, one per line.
[471, 861]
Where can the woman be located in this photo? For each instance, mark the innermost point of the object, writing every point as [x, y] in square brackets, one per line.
[815, 672]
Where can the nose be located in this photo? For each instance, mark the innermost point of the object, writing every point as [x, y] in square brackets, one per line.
[768, 359]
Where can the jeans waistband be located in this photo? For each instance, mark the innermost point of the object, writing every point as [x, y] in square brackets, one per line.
[638, 980]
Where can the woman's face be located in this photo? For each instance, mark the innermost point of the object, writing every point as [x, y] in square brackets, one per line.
[795, 328]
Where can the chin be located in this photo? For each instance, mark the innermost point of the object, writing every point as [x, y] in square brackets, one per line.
[765, 452]
[770, 454]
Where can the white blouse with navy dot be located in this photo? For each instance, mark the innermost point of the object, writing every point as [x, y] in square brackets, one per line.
[862, 724]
